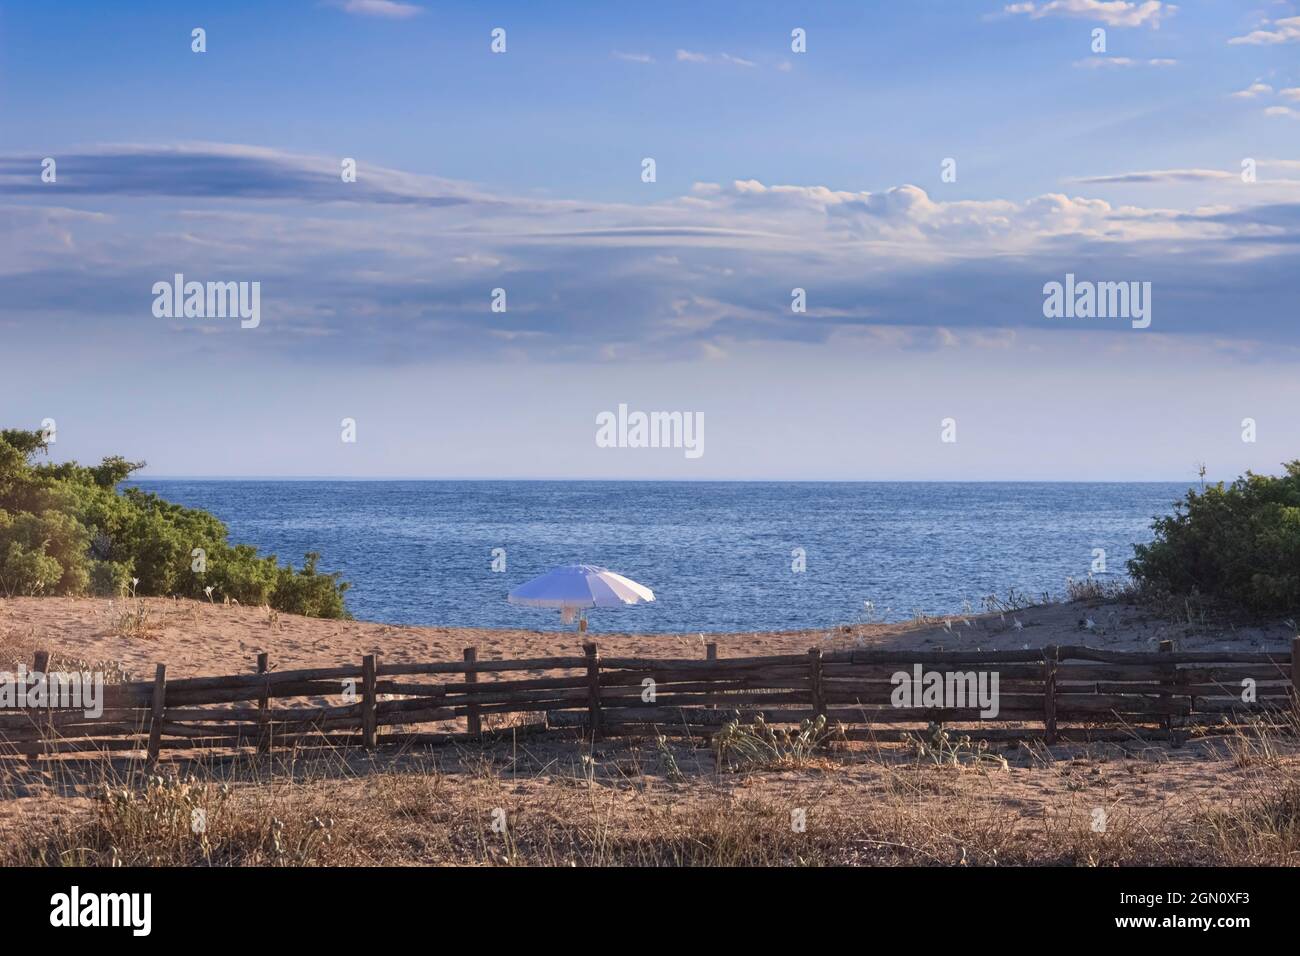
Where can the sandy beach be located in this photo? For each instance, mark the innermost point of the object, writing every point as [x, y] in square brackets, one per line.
[196, 638]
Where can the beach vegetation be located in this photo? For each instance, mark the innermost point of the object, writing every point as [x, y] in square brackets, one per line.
[68, 529]
[1234, 544]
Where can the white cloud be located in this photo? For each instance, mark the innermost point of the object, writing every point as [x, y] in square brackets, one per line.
[688, 56]
[1159, 176]
[1285, 30]
[1100, 62]
[1221, 184]
[356, 270]
[389, 9]
[634, 57]
[1097, 62]
[1282, 111]
[1290, 93]
[1104, 61]
[1255, 89]
[1114, 13]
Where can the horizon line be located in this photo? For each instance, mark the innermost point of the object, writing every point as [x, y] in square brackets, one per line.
[685, 481]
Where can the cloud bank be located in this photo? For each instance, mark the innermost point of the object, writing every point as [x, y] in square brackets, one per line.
[399, 267]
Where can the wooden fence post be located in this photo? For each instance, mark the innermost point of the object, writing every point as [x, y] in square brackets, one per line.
[264, 706]
[473, 718]
[818, 696]
[157, 705]
[593, 690]
[1295, 677]
[41, 664]
[369, 714]
[1167, 647]
[1051, 659]
[710, 652]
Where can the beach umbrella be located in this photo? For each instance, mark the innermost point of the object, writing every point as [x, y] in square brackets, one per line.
[576, 587]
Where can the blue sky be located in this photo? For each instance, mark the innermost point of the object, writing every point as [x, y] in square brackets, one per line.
[775, 170]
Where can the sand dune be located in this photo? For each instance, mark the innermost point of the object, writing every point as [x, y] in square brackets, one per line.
[197, 638]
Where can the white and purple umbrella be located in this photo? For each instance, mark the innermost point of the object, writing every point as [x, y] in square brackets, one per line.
[576, 587]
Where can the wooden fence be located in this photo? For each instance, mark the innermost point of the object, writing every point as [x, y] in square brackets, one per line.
[1053, 693]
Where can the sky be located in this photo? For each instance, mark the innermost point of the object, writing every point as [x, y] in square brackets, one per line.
[922, 171]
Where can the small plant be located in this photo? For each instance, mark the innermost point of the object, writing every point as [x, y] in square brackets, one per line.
[136, 621]
[1093, 589]
[161, 816]
[667, 761]
[871, 615]
[760, 746]
[1014, 601]
[303, 849]
[939, 747]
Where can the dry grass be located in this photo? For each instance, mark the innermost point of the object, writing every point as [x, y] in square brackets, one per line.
[1096, 590]
[136, 621]
[16, 650]
[629, 806]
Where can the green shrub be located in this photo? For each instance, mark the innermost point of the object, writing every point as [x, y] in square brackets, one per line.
[1239, 544]
[31, 541]
[239, 574]
[109, 578]
[28, 572]
[66, 529]
[308, 591]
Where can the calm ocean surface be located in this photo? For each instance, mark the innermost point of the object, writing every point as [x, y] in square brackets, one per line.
[718, 555]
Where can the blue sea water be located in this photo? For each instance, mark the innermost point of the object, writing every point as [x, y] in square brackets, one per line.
[718, 555]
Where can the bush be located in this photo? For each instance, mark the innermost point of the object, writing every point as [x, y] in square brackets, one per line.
[109, 578]
[28, 572]
[66, 529]
[1238, 544]
[309, 592]
[43, 554]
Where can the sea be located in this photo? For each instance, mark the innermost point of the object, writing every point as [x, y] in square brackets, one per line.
[719, 556]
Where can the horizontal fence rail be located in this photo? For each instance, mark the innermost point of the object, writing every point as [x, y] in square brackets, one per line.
[1052, 693]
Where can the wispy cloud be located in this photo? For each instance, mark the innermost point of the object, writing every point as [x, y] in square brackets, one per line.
[388, 9]
[398, 267]
[1158, 176]
[1255, 89]
[633, 57]
[689, 56]
[1261, 89]
[1105, 62]
[227, 171]
[1273, 32]
[1115, 13]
